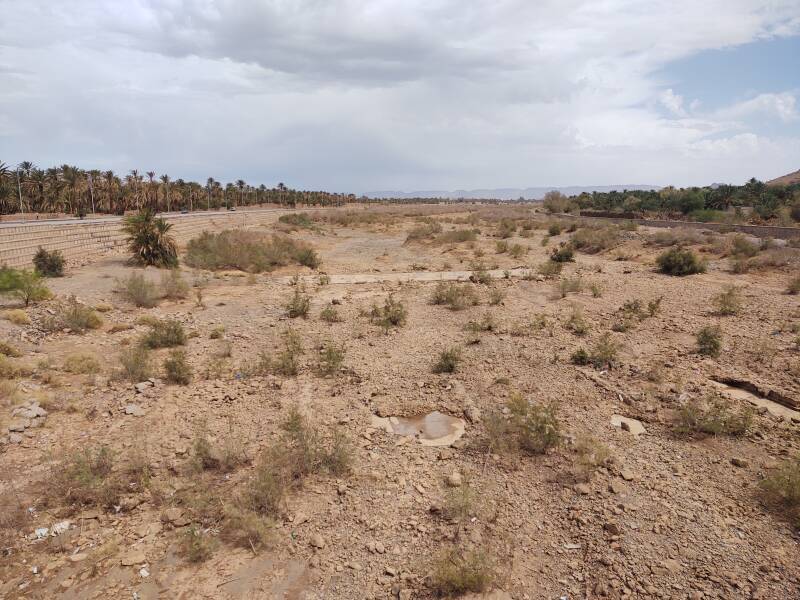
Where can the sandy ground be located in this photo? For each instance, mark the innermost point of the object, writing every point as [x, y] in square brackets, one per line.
[669, 516]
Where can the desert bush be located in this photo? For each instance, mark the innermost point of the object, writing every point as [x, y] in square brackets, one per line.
[709, 341]
[49, 263]
[81, 363]
[550, 269]
[517, 251]
[713, 415]
[177, 369]
[454, 296]
[424, 231]
[496, 296]
[17, 316]
[85, 478]
[74, 316]
[135, 363]
[458, 572]
[457, 236]
[138, 290]
[590, 454]
[225, 458]
[680, 262]
[286, 361]
[782, 488]
[461, 503]
[217, 333]
[447, 361]
[173, 286]
[299, 304]
[569, 285]
[602, 355]
[196, 544]
[392, 314]
[554, 228]
[302, 220]
[576, 323]
[246, 528]
[250, 251]
[165, 334]
[27, 286]
[673, 237]
[7, 349]
[564, 253]
[331, 358]
[531, 427]
[728, 302]
[501, 247]
[594, 240]
[794, 286]
[741, 247]
[329, 314]
[486, 323]
[149, 240]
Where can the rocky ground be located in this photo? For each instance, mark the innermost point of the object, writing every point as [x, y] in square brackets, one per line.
[664, 515]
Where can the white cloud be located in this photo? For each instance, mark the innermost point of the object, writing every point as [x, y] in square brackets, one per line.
[357, 95]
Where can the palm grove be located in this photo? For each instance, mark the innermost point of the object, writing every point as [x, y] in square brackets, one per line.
[71, 190]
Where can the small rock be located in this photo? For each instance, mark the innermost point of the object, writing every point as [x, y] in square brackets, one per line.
[742, 463]
[454, 479]
[627, 475]
[582, 488]
[135, 410]
[612, 528]
[133, 557]
[77, 557]
[171, 515]
[317, 541]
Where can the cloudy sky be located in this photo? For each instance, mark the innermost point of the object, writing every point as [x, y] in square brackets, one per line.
[356, 95]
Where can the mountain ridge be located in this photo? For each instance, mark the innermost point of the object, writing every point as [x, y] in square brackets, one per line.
[529, 193]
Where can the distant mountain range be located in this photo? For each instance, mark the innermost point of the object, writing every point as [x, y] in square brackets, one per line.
[531, 193]
[786, 179]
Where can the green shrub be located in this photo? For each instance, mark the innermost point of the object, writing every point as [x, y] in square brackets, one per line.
[177, 369]
[49, 263]
[139, 291]
[149, 240]
[554, 229]
[165, 334]
[603, 354]
[741, 247]
[709, 341]
[535, 426]
[74, 316]
[448, 361]
[680, 262]
[24, 285]
[86, 478]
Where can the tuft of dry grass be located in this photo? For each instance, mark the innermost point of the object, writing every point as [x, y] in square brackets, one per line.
[454, 296]
[448, 360]
[249, 251]
[17, 316]
[139, 291]
[782, 489]
[457, 572]
[164, 334]
[82, 363]
[177, 369]
[713, 415]
[728, 302]
[135, 363]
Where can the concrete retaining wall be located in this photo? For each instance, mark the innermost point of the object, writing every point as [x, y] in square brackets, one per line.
[760, 231]
[82, 241]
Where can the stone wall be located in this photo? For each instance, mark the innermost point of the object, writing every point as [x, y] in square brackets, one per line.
[82, 241]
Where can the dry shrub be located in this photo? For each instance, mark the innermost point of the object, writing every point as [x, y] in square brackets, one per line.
[782, 488]
[594, 240]
[550, 269]
[425, 231]
[461, 503]
[164, 334]
[329, 314]
[17, 316]
[138, 290]
[299, 304]
[714, 415]
[728, 302]
[174, 286]
[793, 288]
[675, 237]
[177, 369]
[458, 571]
[568, 285]
[680, 262]
[196, 545]
[590, 454]
[531, 427]
[454, 296]
[392, 314]
[447, 361]
[85, 478]
[82, 363]
[7, 349]
[249, 251]
[135, 363]
[709, 341]
[74, 316]
[457, 236]
[331, 358]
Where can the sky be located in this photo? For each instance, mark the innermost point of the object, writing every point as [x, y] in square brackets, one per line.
[355, 96]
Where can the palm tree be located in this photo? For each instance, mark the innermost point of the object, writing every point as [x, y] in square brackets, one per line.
[240, 184]
[150, 176]
[165, 182]
[209, 184]
[110, 182]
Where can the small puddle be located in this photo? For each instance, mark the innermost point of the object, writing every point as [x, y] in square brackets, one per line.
[433, 429]
[632, 425]
[779, 410]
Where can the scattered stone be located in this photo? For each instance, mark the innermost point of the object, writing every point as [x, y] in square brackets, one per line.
[627, 475]
[612, 528]
[582, 488]
[632, 426]
[141, 387]
[317, 541]
[133, 557]
[135, 410]
[454, 479]
[742, 463]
